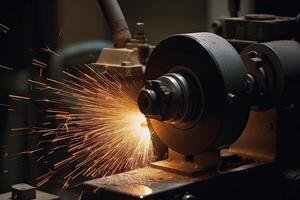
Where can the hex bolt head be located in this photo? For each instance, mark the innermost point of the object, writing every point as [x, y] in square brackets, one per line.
[249, 84]
[252, 54]
[257, 61]
[231, 98]
[140, 29]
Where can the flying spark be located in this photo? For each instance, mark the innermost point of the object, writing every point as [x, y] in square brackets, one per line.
[6, 68]
[18, 97]
[100, 125]
[3, 28]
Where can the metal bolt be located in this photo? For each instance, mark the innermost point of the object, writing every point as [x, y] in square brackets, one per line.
[140, 28]
[231, 98]
[152, 84]
[125, 63]
[257, 61]
[189, 197]
[250, 83]
[252, 54]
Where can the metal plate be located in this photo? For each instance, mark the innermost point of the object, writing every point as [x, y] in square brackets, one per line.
[154, 184]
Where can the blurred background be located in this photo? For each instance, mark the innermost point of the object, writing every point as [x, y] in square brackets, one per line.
[36, 24]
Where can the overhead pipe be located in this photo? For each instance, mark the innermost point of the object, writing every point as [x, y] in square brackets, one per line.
[116, 22]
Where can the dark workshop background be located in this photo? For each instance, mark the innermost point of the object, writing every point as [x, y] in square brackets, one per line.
[57, 23]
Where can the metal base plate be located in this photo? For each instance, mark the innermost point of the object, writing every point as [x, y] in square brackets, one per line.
[179, 164]
[183, 168]
[150, 183]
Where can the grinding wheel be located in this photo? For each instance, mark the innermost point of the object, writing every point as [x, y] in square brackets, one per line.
[216, 76]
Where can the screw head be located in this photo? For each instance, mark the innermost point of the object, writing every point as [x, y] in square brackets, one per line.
[231, 98]
[125, 63]
[140, 27]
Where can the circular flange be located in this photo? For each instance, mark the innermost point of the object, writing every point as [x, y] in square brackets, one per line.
[221, 72]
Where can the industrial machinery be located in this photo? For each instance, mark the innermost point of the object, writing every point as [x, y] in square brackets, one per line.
[127, 56]
[199, 103]
[223, 108]
[224, 111]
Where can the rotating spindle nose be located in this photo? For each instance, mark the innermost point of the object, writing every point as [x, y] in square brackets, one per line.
[171, 97]
[152, 99]
[146, 101]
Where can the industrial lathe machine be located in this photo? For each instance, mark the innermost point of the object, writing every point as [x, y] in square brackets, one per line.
[224, 108]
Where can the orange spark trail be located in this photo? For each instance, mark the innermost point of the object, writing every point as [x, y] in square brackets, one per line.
[4, 29]
[39, 63]
[6, 68]
[100, 126]
[18, 97]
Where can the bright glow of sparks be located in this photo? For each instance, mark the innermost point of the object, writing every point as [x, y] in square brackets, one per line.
[100, 125]
[138, 125]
